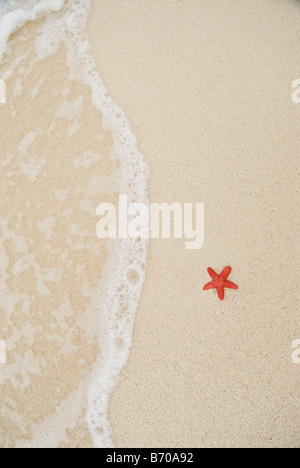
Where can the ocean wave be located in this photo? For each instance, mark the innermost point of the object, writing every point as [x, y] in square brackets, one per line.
[65, 23]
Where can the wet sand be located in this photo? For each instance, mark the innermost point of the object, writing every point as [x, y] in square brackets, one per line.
[55, 172]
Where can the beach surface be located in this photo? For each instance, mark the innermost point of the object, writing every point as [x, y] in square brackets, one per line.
[207, 89]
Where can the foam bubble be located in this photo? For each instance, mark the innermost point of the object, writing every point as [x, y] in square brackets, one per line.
[124, 274]
[15, 13]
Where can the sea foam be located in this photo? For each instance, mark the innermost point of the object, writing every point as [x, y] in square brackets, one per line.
[65, 22]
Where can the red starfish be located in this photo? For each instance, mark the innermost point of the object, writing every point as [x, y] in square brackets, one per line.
[219, 282]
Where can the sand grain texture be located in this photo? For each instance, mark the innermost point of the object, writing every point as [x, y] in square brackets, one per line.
[207, 89]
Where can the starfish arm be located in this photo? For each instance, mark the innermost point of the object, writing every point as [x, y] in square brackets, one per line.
[225, 273]
[212, 273]
[230, 285]
[220, 291]
[209, 286]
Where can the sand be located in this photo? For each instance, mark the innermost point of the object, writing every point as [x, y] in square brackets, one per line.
[207, 89]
